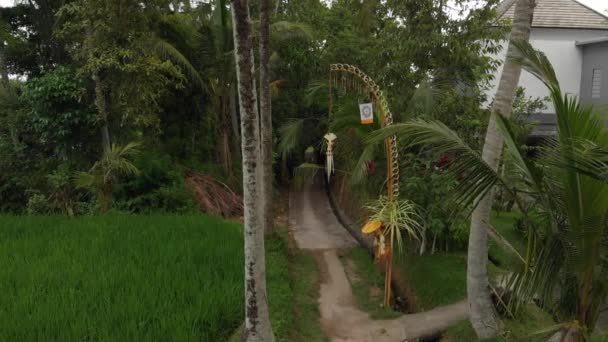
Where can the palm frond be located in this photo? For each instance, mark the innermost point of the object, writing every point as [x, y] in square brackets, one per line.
[84, 180]
[398, 216]
[117, 162]
[316, 92]
[290, 135]
[306, 173]
[502, 241]
[572, 168]
[286, 30]
[532, 175]
[468, 169]
[426, 96]
[169, 52]
[584, 157]
[536, 62]
[359, 172]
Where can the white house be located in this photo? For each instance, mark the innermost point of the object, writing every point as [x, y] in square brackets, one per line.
[575, 39]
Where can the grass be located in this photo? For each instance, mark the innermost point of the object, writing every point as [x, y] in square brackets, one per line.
[110, 278]
[524, 327]
[505, 225]
[144, 278]
[438, 279]
[293, 291]
[280, 292]
[305, 280]
[367, 283]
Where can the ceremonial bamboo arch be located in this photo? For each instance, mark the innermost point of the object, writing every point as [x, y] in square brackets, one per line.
[352, 79]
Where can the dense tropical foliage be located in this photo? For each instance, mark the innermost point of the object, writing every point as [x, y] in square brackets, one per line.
[173, 106]
[561, 191]
[90, 74]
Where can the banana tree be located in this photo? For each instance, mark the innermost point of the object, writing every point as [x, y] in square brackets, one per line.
[565, 187]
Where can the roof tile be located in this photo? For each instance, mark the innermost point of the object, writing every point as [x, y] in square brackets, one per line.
[564, 14]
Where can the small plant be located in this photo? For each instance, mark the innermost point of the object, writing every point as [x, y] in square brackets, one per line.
[389, 219]
[115, 162]
[38, 204]
[397, 216]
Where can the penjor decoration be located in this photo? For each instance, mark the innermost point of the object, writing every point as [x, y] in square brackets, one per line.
[353, 80]
[330, 140]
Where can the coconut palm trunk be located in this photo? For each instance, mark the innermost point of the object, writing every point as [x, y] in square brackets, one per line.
[225, 153]
[236, 134]
[102, 109]
[257, 320]
[266, 114]
[4, 71]
[482, 313]
[5, 83]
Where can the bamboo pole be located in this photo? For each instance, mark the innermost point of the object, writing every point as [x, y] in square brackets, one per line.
[390, 145]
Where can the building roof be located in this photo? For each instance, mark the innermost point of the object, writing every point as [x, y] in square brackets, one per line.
[592, 41]
[559, 14]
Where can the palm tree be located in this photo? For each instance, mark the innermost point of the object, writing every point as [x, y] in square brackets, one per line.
[564, 188]
[257, 320]
[159, 47]
[115, 162]
[482, 314]
[6, 40]
[218, 48]
[266, 114]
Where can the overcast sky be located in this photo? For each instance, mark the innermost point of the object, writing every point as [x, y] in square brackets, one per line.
[600, 5]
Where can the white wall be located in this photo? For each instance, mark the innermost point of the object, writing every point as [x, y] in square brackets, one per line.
[560, 47]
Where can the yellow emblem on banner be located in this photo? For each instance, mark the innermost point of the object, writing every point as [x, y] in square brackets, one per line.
[367, 113]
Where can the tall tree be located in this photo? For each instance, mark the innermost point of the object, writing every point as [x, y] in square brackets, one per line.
[222, 77]
[482, 313]
[257, 320]
[5, 38]
[266, 114]
[119, 48]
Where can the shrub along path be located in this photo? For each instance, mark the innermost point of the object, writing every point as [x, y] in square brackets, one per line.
[316, 229]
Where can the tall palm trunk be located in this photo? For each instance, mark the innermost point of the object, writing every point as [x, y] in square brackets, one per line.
[5, 81]
[225, 153]
[266, 114]
[257, 320]
[4, 71]
[482, 314]
[102, 109]
[236, 141]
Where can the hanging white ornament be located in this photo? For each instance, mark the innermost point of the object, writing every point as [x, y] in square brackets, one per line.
[330, 140]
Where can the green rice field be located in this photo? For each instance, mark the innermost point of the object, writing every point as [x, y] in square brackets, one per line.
[120, 278]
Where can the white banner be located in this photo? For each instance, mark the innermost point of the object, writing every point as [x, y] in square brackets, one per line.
[366, 110]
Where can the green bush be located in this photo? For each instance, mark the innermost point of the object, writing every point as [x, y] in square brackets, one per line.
[58, 195]
[445, 228]
[158, 187]
[59, 117]
[38, 204]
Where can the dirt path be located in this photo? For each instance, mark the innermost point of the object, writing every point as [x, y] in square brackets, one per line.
[315, 228]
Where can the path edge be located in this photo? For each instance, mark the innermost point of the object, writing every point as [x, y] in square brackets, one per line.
[346, 222]
[400, 288]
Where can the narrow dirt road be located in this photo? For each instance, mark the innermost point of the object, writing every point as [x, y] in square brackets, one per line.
[315, 228]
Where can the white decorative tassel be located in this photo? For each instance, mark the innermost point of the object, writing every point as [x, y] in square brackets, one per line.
[330, 139]
[329, 165]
